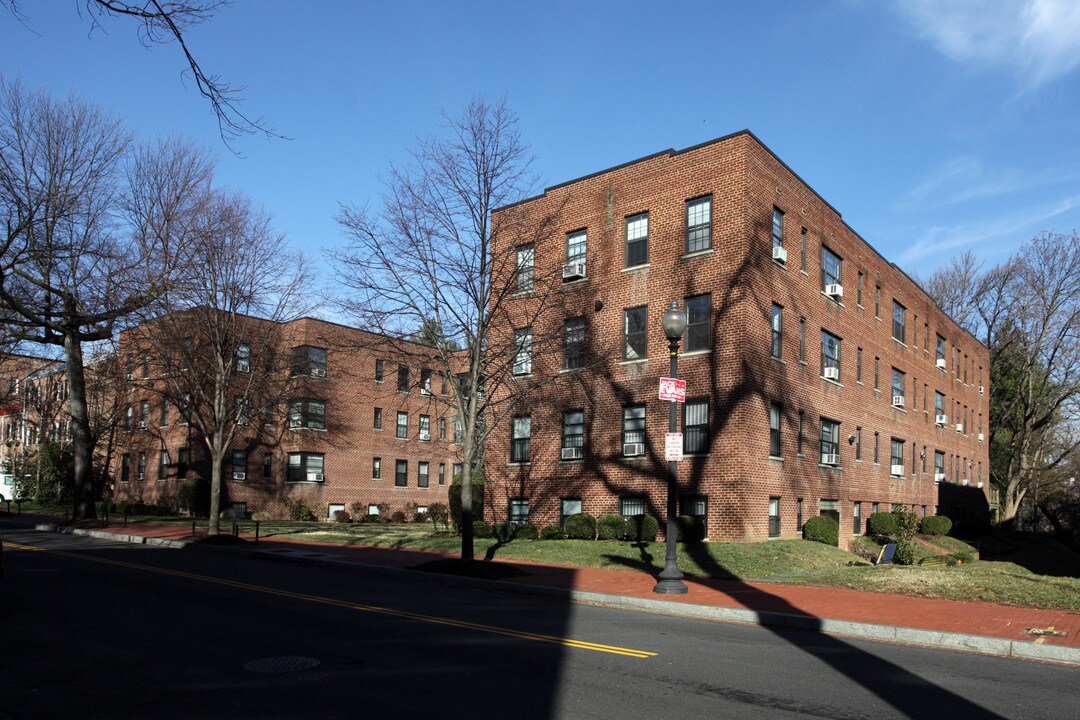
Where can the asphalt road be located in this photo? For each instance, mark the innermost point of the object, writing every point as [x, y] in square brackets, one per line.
[94, 629]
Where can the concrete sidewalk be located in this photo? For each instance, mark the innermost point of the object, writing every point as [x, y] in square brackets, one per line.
[984, 628]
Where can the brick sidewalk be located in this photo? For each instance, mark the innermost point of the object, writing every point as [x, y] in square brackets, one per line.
[945, 616]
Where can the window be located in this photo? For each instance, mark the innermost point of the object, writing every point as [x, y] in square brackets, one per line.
[802, 254]
[831, 265]
[309, 414]
[267, 467]
[376, 468]
[698, 311]
[145, 361]
[425, 381]
[940, 351]
[899, 321]
[141, 467]
[774, 517]
[144, 413]
[858, 365]
[775, 412]
[442, 473]
[698, 224]
[576, 246]
[125, 468]
[520, 437]
[802, 339]
[165, 412]
[856, 518]
[574, 344]
[637, 239]
[877, 436]
[896, 457]
[777, 227]
[403, 425]
[240, 407]
[695, 426]
[798, 515]
[239, 465]
[524, 267]
[634, 334]
[305, 467]
[830, 355]
[185, 409]
[830, 442]
[401, 473]
[858, 290]
[457, 469]
[163, 465]
[858, 443]
[379, 371]
[939, 404]
[243, 358]
[422, 469]
[442, 428]
[457, 429]
[568, 507]
[631, 506]
[799, 439]
[523, 351]
[696, 506]
[402, 378]
[573, 434]
[777, 330]
[182, 458]
[877, 301]
[877, 373]
[309, 361]
[897, 385]
[129, 368]
[425, 427]
[519, 511]
[378, 419]
[442, 382]
[633, 428]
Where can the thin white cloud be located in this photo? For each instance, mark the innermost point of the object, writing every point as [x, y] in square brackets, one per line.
[1010, 229]
[966, 178]
[1038, 39]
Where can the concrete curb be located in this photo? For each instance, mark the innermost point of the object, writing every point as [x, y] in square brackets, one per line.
[979, 644]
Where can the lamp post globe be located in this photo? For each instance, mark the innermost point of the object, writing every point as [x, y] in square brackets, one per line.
[669, 581]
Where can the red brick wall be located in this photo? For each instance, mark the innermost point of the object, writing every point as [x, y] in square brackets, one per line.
[746, 181]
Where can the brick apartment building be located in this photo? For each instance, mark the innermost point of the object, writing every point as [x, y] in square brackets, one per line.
[346, 421]
[820, 378]
[33, 392]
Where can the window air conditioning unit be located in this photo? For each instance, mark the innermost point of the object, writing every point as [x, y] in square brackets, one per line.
[898, 401]
[779, 254]
[965, 481]
[939, 477]
[633, 449]
[835, 291]
[128, 376]
[896, 469]
[942, 420]
[573, 270]
[981, 389]
[831, 373]
[140, 476]
[830, 459]
[571, 453]
[940, 364]
[980, 484]
[318, 372]
[315, 477]
[960, 427]
[142, 424]
[239, 476]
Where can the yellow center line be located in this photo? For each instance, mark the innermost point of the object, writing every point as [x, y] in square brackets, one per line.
[403, 614]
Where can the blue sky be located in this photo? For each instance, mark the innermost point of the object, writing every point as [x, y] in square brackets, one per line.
[932, 126]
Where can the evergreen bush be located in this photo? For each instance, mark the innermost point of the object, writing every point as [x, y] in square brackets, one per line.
[454, 497]
[340, 516]
[642, 528]
[610, 527]
[552, 532]
[935, 525]
[481, 529]
[822, 529]
[690, 529]
[581, 527]
[882, 523]
[527, 531]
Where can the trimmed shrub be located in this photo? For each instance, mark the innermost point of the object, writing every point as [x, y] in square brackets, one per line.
[881, 523]
[690, 529]
[454, 497]
[194, 495]
[481, 529]
[935, 525]
[822, 529]
[642, 528]
[552, 532]
[611, 527]
[398, 516]
[907, 524]
[581, 527]
[340, 516]
[440, 516]
[905, 553]
[527, 531]
[503, 532]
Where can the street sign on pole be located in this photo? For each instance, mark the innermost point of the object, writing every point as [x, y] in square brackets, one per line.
[672, 389]
[673, 446]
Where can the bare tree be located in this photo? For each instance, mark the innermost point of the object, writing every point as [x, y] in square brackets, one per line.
[424, 264]
[1027, 312]
[216, 333]
[161, 23]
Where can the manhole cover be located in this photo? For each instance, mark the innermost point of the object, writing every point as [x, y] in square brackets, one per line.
[285, 663]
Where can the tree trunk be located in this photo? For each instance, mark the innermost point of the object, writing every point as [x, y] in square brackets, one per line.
[81, 445]
[216, 460]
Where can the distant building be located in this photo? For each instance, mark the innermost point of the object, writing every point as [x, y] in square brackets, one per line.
[820, 378]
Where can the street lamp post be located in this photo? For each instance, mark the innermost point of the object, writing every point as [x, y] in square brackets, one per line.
[670, 579]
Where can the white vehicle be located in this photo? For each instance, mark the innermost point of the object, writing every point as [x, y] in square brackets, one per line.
[7, 487]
